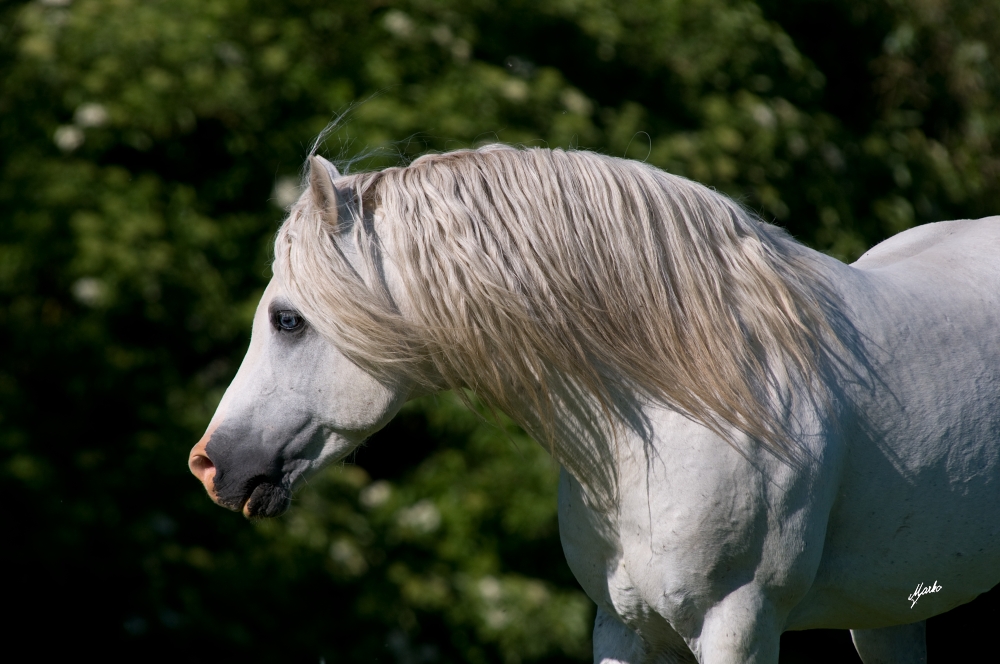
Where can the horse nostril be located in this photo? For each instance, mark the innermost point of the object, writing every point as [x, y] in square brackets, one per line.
[202, 467]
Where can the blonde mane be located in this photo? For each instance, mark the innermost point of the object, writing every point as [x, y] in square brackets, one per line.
[522, 268]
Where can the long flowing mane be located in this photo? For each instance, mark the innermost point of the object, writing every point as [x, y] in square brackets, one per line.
[520, 265]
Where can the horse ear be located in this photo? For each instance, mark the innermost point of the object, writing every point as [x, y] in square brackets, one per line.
[324, 195]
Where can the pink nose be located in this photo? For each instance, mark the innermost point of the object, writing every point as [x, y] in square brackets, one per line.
[202, 467]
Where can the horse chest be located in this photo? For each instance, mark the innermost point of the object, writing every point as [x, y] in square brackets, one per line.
[660, 557]
[688, 527]
[595, 552]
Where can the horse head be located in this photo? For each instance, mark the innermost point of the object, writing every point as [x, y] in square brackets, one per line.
[296, 404]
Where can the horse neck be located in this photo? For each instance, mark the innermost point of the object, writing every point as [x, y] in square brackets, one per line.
[594, 452]
[585, 442]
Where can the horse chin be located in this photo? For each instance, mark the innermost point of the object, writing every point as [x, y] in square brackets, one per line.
[267, 500]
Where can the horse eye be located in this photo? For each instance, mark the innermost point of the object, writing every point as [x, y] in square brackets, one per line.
[289, 321]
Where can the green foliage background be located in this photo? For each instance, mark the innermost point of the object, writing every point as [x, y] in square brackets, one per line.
[146, 150]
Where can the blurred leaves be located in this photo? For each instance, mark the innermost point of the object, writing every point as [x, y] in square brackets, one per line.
[146, 152]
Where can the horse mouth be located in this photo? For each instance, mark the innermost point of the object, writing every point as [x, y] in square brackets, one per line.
[267, 500]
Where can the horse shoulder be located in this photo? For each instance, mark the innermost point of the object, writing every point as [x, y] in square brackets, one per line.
[694, 520]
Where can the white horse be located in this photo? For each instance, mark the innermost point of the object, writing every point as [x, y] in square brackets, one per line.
[755, 437]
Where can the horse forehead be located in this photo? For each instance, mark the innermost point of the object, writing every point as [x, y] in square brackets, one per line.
[274, 289]
[259, 332]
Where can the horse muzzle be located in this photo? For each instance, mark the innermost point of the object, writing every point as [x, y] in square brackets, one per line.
[258, 497]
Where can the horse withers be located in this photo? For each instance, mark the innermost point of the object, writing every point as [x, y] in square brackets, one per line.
[754, 436]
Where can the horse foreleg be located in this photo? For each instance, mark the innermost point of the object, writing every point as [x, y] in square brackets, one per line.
[741, 628]
[902, 644]
[615, 642]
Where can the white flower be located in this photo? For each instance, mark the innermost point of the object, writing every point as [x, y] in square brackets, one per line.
[398, 23]
[90, 115]
[286, 191]
[423, 517]
[88, 291]
[375, 494]
[68, 138]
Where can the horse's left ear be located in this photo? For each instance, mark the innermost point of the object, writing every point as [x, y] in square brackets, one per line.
[325, 196]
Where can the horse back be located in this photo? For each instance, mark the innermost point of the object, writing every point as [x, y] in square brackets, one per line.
[961, 238]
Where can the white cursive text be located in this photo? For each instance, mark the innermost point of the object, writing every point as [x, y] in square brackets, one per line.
[921, 591]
